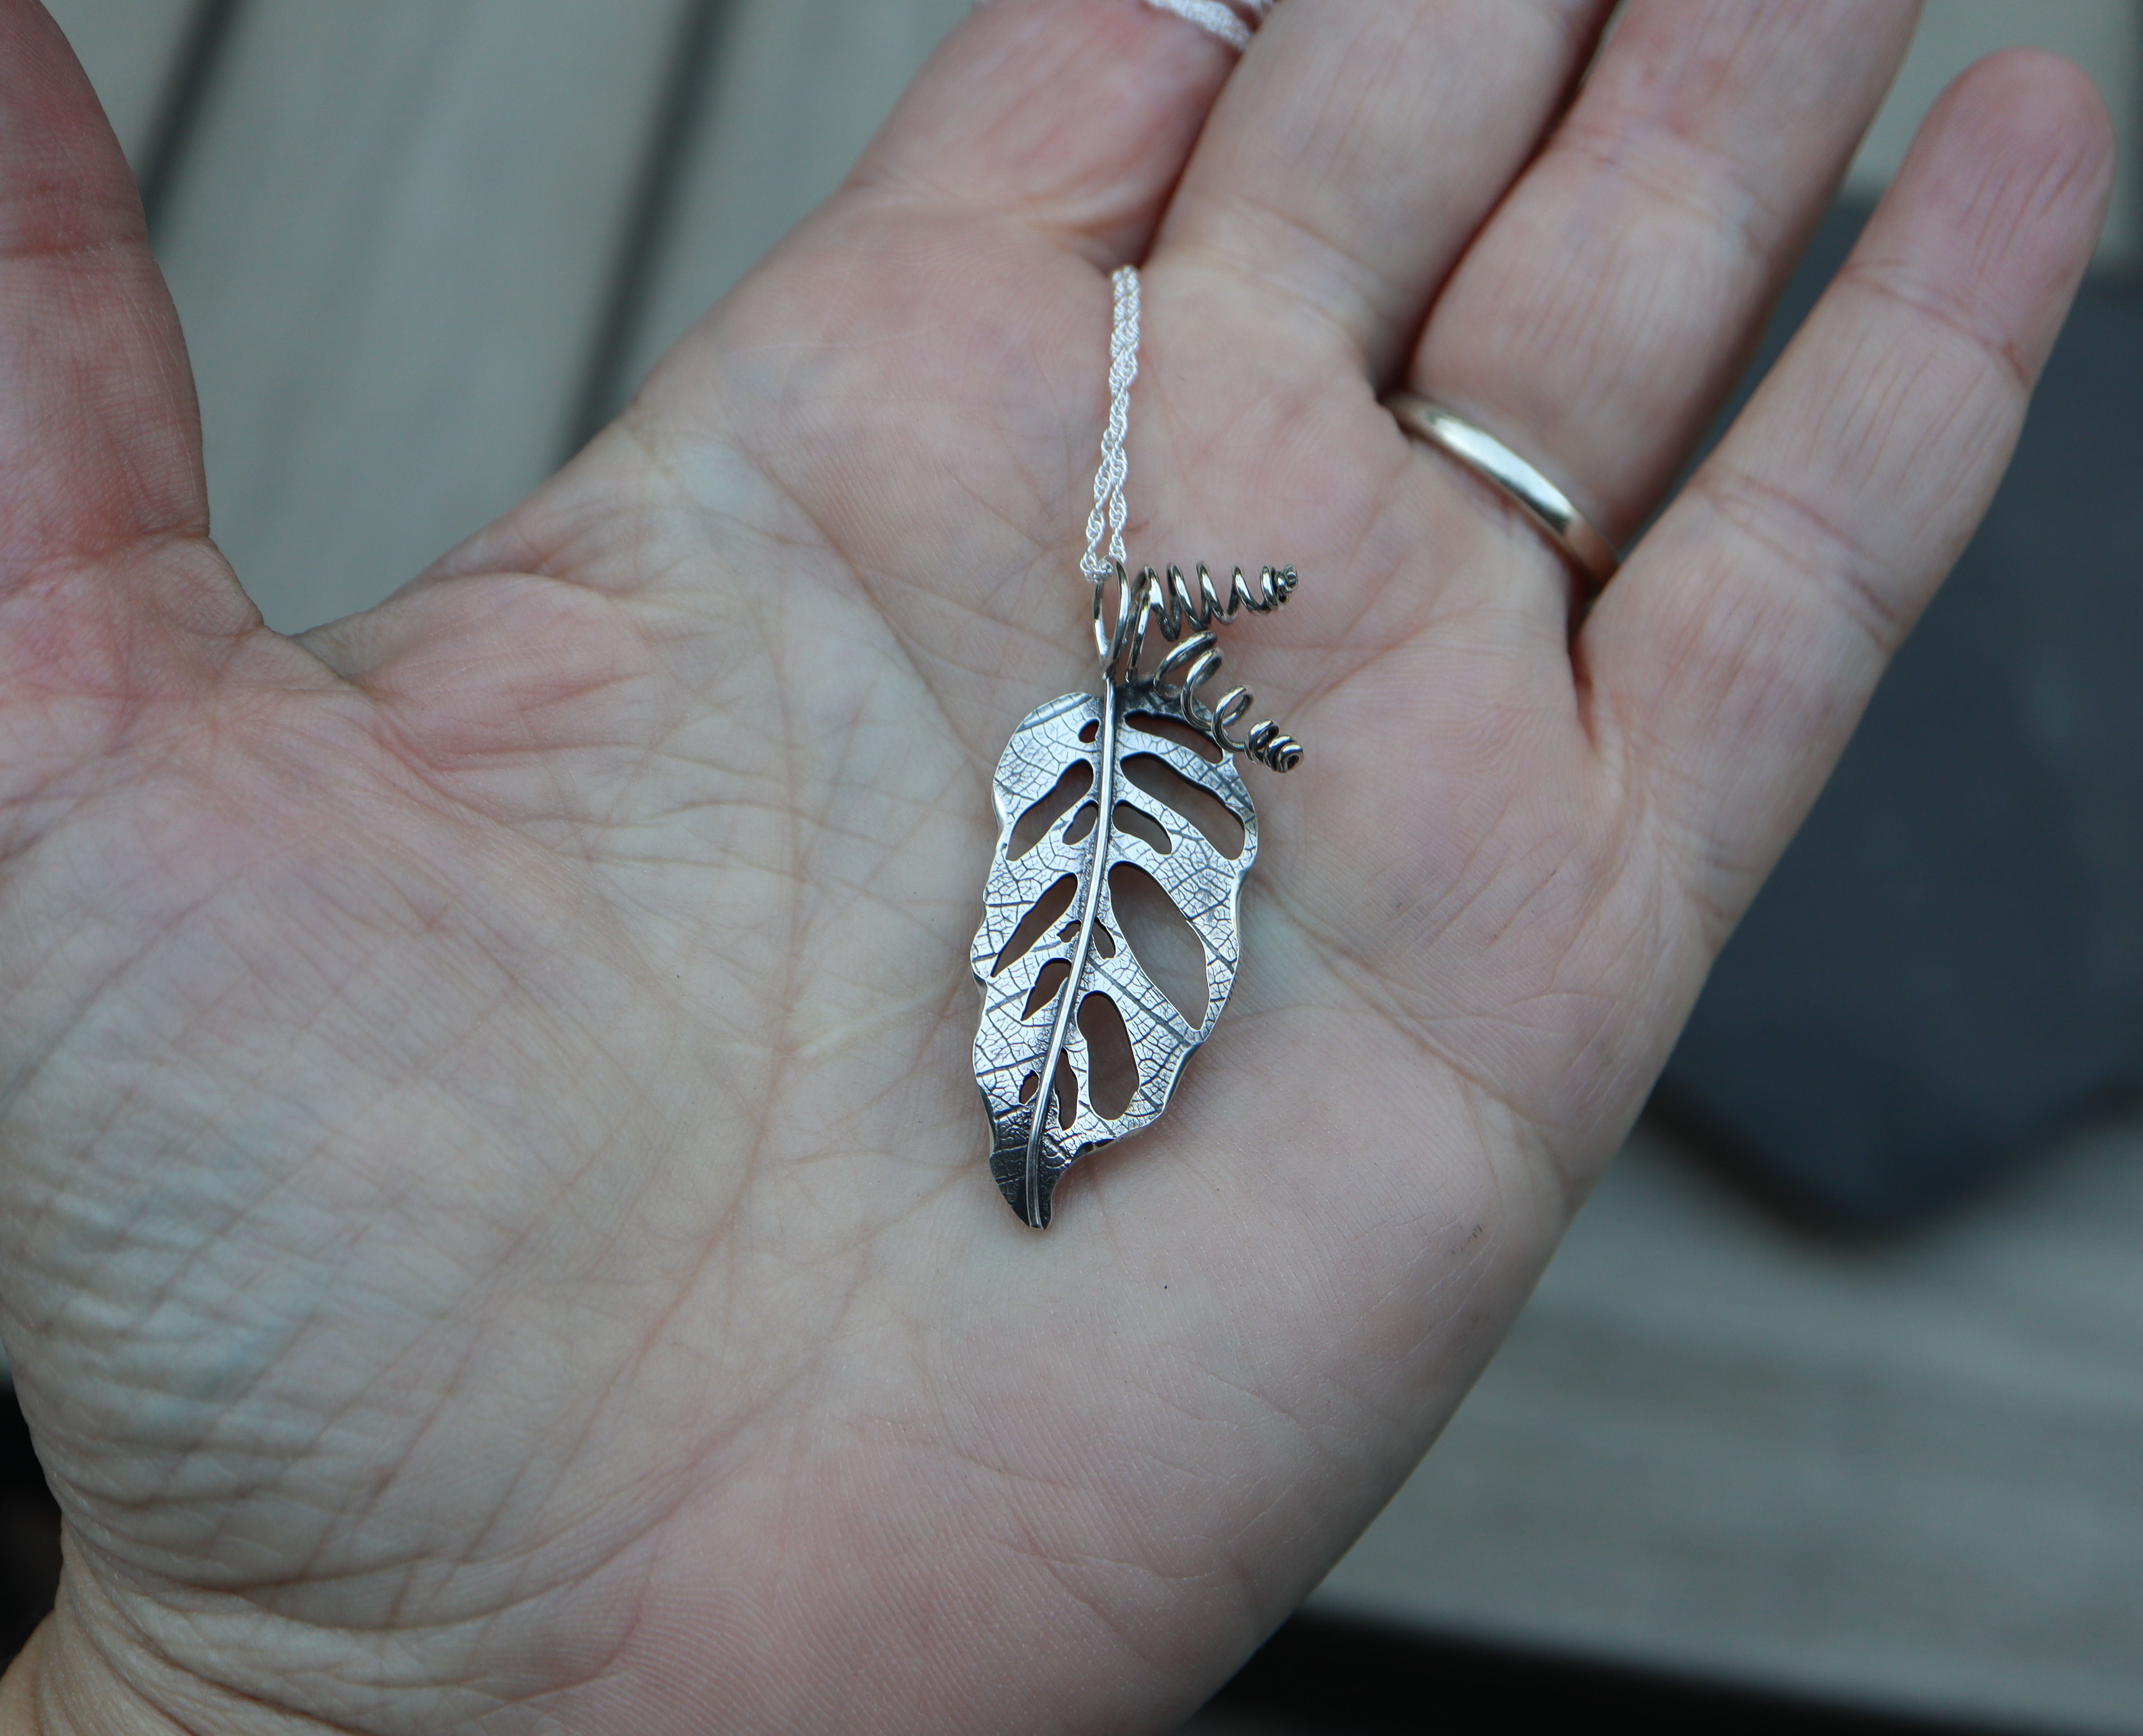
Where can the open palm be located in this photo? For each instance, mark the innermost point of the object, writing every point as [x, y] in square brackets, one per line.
[497, 1233]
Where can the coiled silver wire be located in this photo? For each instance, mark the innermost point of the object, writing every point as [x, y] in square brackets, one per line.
[1151, 603]
[1170, 606]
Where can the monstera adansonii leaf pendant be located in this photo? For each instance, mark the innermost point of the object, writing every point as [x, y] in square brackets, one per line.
[1122, 817]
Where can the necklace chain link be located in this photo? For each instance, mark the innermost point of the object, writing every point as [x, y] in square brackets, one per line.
[1110, 511]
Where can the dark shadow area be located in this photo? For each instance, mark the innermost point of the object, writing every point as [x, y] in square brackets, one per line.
[1946, 968]
[29, 1533]
[200, 57]
[1322, 1677]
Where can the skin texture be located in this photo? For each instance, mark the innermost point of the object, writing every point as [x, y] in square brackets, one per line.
[496, 1230]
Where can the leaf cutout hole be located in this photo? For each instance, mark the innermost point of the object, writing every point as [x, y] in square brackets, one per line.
[1195, 803]
[1091, 731]
[1082, 823]
[1070, 931]
[1027, 1087]
[1046, 985]
[1067, 1093]
[1112, 1074]
[1166, 947]
[1042, 915]
[1105, 944]
[1144, 828]
[1033, 826]
[1175, 730]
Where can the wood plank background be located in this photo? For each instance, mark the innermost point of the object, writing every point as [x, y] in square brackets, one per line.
[1904, 1473]
[413, 241]
[803, 84]
[391, 246]
[131, 49]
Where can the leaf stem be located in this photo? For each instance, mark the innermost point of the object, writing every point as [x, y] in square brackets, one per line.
[1105, 822]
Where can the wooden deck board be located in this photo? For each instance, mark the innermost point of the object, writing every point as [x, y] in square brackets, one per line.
[391, 246]
[1902, 1473]
[801, 86]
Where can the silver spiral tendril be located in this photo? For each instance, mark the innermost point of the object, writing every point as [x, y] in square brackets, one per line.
[1170, 606]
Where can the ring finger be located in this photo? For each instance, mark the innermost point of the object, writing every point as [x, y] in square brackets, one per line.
[1600, 319]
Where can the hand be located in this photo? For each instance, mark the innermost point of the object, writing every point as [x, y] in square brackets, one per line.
[497, 1234]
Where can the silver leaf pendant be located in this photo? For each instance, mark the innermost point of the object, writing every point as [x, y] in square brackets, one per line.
[1111, 930]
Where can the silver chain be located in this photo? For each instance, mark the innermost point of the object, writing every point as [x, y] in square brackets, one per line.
[1227, 23]
[1107, 517]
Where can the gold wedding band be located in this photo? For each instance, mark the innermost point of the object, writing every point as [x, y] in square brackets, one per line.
[1548, 506]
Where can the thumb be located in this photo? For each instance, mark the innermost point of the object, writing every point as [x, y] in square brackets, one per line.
[103, 512]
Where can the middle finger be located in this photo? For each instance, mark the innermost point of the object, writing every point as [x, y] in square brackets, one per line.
[1357, 146]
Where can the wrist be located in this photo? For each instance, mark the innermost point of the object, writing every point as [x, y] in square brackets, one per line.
[54, 1690]
[69, 1681]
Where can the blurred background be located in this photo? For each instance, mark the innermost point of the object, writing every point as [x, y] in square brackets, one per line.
[1829, 1415]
